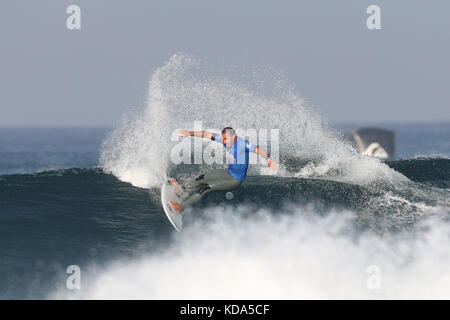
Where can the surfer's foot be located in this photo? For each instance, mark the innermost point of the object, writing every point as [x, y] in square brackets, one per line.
[175, 206]
[176, 186]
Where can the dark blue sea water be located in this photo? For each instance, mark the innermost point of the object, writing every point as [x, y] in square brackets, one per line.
[28, 150]
[59, 208]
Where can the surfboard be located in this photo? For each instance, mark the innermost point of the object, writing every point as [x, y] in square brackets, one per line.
[168, 193]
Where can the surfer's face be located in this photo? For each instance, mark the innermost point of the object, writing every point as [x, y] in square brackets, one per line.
[228, 139]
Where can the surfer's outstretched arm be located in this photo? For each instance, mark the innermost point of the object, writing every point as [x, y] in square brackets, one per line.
[272, 164]
[202, 134]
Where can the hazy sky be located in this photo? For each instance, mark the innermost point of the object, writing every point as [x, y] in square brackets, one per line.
[50, 75]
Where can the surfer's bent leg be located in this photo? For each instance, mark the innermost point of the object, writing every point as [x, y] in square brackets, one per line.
[194, 182]
[211, 181]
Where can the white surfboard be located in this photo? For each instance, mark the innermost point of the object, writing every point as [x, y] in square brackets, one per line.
[168, 193]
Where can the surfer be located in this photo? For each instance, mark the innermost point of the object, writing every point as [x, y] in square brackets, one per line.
[237, 154]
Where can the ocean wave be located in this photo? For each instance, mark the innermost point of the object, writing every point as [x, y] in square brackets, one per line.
[423, 169]
[298, 255]
[88, 217]
[381, 206]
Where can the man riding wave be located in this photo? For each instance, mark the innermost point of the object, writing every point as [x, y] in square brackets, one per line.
[237, 154]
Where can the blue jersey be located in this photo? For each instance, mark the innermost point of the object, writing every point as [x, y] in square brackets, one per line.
[237, 156]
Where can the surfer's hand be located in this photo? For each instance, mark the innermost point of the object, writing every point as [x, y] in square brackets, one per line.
[183, 132]
[272, 164]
